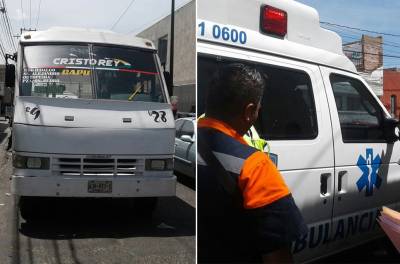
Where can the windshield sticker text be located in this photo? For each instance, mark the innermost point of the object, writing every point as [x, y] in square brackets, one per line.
[40, 75]
[75, 72]
[116, 63]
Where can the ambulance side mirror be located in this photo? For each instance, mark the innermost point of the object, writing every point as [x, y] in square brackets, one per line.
[391, 129]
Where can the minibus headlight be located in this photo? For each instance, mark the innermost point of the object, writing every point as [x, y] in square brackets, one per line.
[24, 162]
[159, 164]
[33, 163]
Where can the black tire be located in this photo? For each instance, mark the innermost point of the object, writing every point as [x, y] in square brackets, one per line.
[143, 207]
[27, 207]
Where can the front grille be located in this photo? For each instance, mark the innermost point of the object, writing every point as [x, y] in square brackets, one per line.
[97, 166]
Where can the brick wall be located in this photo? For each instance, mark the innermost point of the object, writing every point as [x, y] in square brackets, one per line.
[371, 46]
[366, 54]
[391, 87]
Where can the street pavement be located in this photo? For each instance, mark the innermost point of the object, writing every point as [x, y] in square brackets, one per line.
[94, 231]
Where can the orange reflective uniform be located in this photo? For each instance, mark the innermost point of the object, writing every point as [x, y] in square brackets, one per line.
[259, 180]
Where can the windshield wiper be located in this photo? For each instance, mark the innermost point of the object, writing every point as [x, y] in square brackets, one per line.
[130, 98]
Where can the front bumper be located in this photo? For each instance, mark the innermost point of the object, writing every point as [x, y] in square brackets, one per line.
[78, 186]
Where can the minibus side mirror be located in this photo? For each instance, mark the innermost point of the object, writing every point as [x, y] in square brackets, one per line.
[10, 76]
[391, 129]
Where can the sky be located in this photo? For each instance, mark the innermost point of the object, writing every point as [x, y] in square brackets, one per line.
[101, 14]
[374, 15]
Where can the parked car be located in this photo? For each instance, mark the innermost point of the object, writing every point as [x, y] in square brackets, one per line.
[185, 146]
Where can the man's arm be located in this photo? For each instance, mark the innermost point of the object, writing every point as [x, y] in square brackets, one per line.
[271, 207]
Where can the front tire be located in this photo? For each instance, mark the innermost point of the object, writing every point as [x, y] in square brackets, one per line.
[144, 207]
[28, 207]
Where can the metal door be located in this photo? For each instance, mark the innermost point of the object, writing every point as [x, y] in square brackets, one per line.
[367, 173]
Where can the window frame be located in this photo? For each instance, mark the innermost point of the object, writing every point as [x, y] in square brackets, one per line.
[393, 105]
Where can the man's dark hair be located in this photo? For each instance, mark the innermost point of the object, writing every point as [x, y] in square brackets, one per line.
[234, 86]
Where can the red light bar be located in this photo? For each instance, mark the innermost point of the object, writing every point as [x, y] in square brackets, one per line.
[273, 21]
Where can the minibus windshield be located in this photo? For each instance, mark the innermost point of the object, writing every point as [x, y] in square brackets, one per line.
[90, 71]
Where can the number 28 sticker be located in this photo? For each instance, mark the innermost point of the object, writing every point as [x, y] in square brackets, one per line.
[158, 116]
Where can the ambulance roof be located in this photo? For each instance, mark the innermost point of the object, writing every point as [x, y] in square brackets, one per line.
[305, 39]
[64, 34]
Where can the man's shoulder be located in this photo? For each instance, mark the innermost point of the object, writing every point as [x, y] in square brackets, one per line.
[222, 143]
[259, 159]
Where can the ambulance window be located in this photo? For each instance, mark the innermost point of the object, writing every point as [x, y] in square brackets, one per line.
[359, 114]
[206, 68]
[288, 108]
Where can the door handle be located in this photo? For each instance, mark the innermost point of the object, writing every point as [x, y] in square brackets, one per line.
[341, 175]
[342, 182]
[324, 184]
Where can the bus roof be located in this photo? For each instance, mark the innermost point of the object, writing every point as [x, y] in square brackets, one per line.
[64, 34]
[305, 39]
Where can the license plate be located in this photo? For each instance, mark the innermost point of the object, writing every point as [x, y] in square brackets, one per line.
[100, 186]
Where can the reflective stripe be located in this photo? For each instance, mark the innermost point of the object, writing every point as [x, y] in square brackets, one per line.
[200, 160]
[230, 163]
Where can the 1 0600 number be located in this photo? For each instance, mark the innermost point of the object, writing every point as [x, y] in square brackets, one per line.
[224, 33]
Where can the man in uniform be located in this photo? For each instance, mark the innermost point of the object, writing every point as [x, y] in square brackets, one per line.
[245, 210]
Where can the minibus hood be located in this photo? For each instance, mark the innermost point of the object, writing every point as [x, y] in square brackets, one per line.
[80, 126]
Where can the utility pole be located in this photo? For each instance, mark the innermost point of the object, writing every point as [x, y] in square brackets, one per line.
[171, 53]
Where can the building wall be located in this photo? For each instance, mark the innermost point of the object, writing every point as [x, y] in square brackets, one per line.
[372, 46]
[391, 87]
[366, 54]
[184, 52]
[353, 51]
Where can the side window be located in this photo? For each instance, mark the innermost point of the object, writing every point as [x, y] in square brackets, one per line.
[187, 128]
[288, 108]
[360, 115]
[178, 128]
[162, 49]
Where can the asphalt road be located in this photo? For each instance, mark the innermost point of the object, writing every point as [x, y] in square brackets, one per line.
[95, 231]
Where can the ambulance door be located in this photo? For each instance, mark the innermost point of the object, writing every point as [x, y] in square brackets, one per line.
[295, 121]
[367, 173]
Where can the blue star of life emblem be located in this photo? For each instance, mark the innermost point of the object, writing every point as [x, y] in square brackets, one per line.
[369, 167]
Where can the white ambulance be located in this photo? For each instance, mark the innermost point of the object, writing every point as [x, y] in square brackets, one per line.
[336, 145]
[92, 118]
